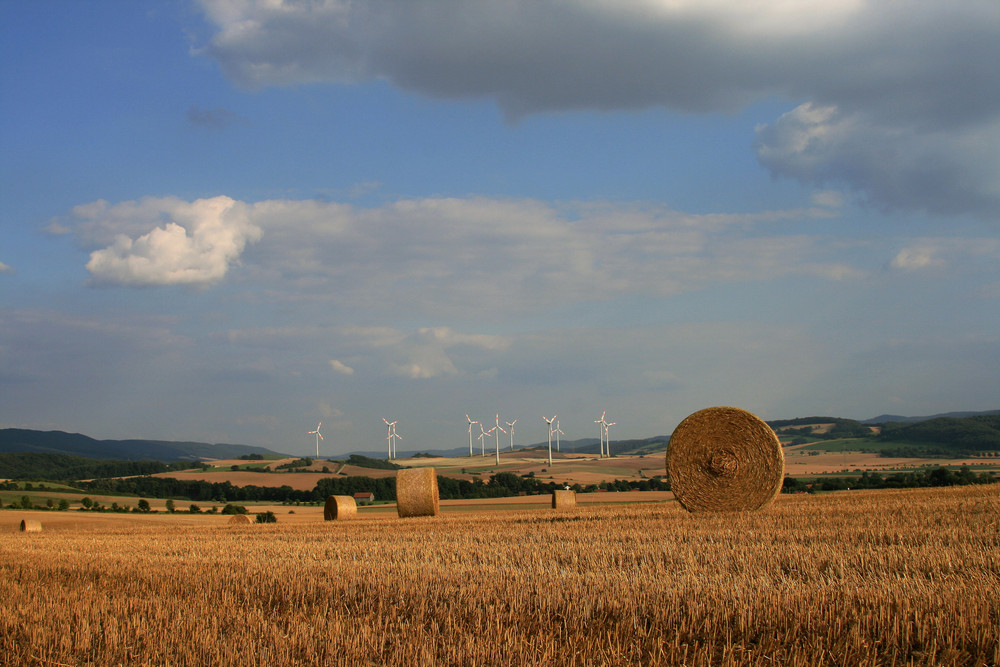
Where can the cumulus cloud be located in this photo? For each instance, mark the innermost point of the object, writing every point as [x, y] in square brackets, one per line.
[939, 253]
[340, 367]
[165, 241]
[425, 353]
[898, 96]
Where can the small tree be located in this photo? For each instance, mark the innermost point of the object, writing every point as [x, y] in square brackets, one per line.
[87, 502]
[195, 509]
[170, 505]
[143, 505]
[25, 503]
[63, 505]
[266, 517]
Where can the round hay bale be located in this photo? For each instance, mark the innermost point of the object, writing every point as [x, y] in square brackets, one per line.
[340, 508]
[563, 499]
[31, 526]
[417, 492]
[240, 518]
[724, 459]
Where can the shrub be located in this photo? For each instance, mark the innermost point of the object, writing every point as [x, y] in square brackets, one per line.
[266, 517]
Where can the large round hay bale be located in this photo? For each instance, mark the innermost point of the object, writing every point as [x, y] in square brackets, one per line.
[724, 459]
[563, 499]
[417, 492]
[340, 508]
[31, 526]
[240, 518]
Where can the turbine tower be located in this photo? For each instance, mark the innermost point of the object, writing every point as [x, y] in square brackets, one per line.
[549, 422]
[498, 429]
[601, 431]
[606, 441]
[558, 431]
[471, 422]
[319, 436]
[391, 436]
[482, 438]
[510, 425]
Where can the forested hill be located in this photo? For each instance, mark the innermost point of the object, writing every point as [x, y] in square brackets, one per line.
[76, 444]
[966, 434]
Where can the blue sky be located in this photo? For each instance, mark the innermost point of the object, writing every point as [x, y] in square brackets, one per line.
[227, 220]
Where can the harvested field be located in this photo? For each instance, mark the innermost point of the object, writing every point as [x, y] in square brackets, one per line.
[874, 578]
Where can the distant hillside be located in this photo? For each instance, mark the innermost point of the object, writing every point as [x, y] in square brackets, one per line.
[75, 444]
[579, 446]
[968, 435]
[885, 419]
[63, 467]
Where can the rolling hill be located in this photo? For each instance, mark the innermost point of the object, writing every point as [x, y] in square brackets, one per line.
[76, 444]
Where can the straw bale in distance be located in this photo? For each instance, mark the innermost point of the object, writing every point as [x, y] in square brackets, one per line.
[240, 518]
[340, 508]
[417, 492]
[31, 526]
[563, 499]
[724, 459]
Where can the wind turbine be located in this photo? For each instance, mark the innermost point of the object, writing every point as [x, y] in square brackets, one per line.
[510, 425]
[602, 431]
[391, 436]
[558, 431]
[549, 422]
[498, 430]
[608, 425]
[319, 436]
[471, 422]
[482, 438]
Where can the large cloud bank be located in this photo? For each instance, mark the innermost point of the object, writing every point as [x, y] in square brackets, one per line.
[895, 95]
[445, 255]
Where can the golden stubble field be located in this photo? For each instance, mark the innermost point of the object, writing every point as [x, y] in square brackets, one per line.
[854, 578]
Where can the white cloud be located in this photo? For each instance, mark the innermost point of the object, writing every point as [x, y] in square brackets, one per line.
[940, 253]
[911, 259]
[340, 367]
[5, 268]
[910, 89]
[190, 243]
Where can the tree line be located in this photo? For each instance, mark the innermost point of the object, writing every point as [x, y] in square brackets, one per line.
[930, 477]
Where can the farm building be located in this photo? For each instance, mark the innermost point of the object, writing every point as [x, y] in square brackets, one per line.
[364, 497]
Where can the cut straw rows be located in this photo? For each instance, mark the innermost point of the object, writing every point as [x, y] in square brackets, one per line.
[854, 578]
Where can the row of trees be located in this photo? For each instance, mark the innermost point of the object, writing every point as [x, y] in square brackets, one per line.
[873, 480]
[59, 467]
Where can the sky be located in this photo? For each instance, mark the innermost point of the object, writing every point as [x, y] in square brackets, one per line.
[228, 220]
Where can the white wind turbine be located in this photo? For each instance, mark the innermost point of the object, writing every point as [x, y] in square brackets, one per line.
[471, 422]
[391, 436]
[602, 431]
[549, 422]
[482, 437]
[498, 429]
[510, 425]
[319, 436]
[607, 442]
[558, 431]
